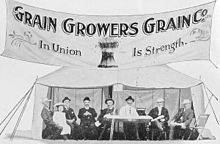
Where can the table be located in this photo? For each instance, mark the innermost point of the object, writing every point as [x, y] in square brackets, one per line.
[136, 119]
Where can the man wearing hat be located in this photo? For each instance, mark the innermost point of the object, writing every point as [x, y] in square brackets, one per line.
[105, 123]
[130, 128]
[52, 130]
[70, 118]
[87, 120]
[160, 116]
[181, 121]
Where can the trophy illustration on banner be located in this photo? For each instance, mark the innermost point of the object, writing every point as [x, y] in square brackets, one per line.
[108, 47]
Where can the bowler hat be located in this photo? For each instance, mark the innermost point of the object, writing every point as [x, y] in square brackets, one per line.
[66, 98]
[129, 98]
[86, 99]
[109, 99]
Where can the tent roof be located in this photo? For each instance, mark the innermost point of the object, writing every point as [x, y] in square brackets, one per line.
[149, 77]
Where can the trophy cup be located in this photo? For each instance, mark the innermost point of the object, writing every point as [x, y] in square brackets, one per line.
[107, 46]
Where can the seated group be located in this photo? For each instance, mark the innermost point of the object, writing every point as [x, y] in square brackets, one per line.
[61, 124]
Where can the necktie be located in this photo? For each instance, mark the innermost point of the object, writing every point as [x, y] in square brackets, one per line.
[130, 110]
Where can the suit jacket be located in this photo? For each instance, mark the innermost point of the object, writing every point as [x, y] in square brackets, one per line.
[70, 114]
[47, 116]
[154, 113]
[106, 111]
[184, 116]
[89, 119]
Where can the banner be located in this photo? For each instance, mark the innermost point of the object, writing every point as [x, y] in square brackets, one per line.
[96, 41]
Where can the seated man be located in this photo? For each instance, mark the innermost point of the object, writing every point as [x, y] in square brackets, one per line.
[160, 117]
[87, 116]
[52, 130]
[105, 123]
[130, 128]
[71, 119]
[181, 121]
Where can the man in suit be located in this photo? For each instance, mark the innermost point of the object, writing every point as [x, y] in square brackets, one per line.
[181, 121]
[52, 130]
[87, 120]
[160, 117]
[105, 124]
[130, 128]
[71, 119]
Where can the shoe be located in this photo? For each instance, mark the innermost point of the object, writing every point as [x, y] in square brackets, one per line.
[65, 137]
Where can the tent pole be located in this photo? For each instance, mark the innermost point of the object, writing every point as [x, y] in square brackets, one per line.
[102, 100]
[164, 96]
[209, 103]
[152, 99]
[23, 109]
[179, 98]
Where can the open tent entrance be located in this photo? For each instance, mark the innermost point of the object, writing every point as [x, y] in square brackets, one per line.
[144, 84]
[144, 99]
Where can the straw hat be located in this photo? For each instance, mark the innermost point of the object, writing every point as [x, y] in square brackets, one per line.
[160, 100]
[186, 101]
[59, 104]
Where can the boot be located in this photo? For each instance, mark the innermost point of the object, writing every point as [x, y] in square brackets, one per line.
[65, 137]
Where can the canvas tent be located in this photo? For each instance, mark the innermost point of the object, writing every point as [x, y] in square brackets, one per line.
[144, 84]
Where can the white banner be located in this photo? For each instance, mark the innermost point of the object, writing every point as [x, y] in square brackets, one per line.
[90, 41]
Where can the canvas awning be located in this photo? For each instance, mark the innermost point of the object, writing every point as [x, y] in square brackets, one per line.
[148, 77]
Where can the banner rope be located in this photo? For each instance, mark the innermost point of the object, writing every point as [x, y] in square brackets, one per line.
[213, 63]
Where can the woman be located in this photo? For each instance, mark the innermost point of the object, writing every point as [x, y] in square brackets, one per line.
[60, 119]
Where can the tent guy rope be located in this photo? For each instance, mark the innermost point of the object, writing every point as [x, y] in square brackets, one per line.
[22, 112]
[15, 109]
[209, 102]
